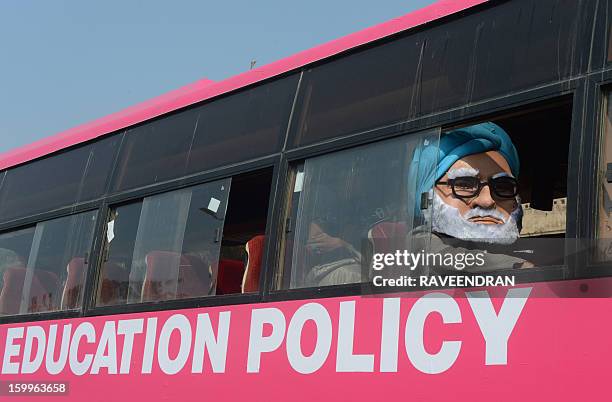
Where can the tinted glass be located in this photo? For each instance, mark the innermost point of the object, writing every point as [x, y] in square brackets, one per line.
[44, 267]
[338, 199]
[604, 250]
[156, 151]
[358, 92]
[165, 246]
[609, 35]
[235, 128]
[14, 251]
[60, 180]
[508, 47]
[99, 167]
[244, 126]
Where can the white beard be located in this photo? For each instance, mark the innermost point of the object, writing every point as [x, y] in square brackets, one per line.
[448, 220]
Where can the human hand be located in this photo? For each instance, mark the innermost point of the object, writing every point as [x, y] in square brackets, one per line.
[322, 242]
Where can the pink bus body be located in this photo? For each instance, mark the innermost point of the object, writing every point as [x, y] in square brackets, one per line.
[544, 338]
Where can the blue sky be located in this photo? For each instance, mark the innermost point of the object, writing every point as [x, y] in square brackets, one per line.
[63, 63]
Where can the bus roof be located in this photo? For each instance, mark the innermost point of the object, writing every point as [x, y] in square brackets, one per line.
[206, 89]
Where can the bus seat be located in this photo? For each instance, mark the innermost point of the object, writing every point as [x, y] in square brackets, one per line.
[43, 291]
[113, 288]
[71, 296]
[387, 237]
[254, 249]
[10, 295]
[161, 276]
[194, 278]
[170, 275]
[229, 277]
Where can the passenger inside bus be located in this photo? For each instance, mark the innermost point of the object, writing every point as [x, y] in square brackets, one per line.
[187, 243]
[471, 181]
[351, 203]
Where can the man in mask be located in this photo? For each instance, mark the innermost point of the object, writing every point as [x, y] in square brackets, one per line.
[467, 193]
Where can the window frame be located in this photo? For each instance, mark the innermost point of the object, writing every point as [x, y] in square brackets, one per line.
[599, 84]
[582, 88]
[131, 196]
[93, 256]
[482, 111]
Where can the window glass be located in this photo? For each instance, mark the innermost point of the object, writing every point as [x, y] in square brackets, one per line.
[338, 199]
[604, 249]
[59, 180]
[235, 128]
[495, 190]
[246, 125]
[610, 38]
[445, 66]
[358, 92]
[43, 268]
[156, 151]
[605, 21]
[165, 246]
[517, 214]
[199, 241]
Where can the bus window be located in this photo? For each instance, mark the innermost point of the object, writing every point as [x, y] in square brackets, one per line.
[610, 48]
[517, 214]
[609, 36]
[243, 240]
[183, 244]
[604, 235]
[247, 125]
[497, 186]
[146, 257]
[242, 126]
[336, 200]
[364, 90]
[44, 266]
[60, 180]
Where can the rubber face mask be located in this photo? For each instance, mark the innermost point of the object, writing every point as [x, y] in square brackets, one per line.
[448, 220]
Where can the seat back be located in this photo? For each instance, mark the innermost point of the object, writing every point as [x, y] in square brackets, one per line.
[194, 278]
[43, 291]
[170, 276]
[161, 276]
[10, 295]
[229, 276]
[114, 284]
[73, 289]
[254, 249]
[387, 237]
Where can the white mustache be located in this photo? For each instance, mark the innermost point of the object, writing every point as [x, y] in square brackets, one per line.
[447, 219]
[479, 212]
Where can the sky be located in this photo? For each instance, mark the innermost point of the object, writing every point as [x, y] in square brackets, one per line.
[66, 62]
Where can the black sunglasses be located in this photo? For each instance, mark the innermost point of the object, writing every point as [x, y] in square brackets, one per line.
[501, 185]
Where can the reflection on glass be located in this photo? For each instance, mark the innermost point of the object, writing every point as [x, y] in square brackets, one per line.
[43, 268]
[244, 125]
[604, 249]
[610, 46]
[58, 180]
[164, 247]
[338, 199]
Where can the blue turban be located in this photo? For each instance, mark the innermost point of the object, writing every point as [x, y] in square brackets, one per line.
[432, 161]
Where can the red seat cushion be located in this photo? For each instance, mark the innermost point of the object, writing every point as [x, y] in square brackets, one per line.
[387, 237]
[254, 249]
[229, 276]
[43, 291]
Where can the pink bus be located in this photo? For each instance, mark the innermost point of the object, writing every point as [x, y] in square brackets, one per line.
[419, 210]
